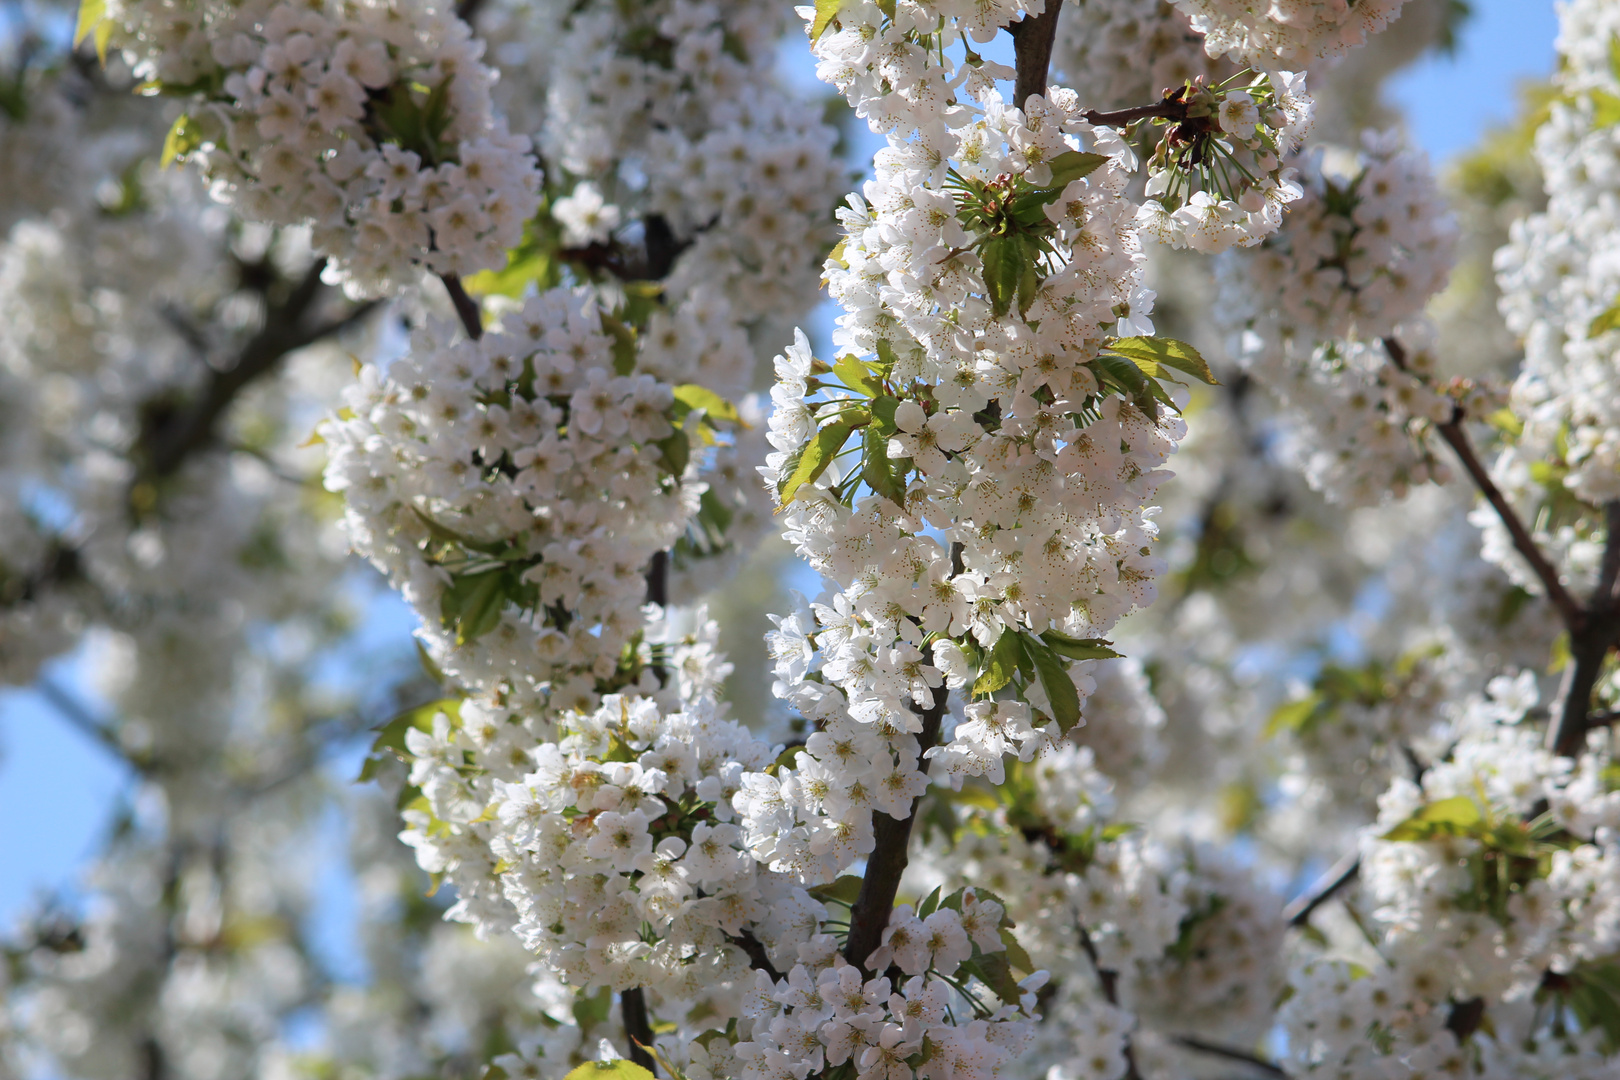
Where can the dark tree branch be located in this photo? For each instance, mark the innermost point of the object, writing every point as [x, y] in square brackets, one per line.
[1604, 596]
[1167, 109]
[80, 719]
[637, 1028]
[1340, 874]
[1109, 981]
[891, 838]
[1203, 1046]
[1032, 50]
[466, 307]
[757, 958]
[1452, 431]
[167, 441]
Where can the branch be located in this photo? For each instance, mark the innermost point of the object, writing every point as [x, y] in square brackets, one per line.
[1452, 431]
[78, 717]
[1109, 981]
[1193, 1042]
[637, 1028]
[167, 441]
[757, 958]
[466, 307]
[1340, 874]
[1589, 646]
[1167, 109]
[887, 862]
[1032, 51]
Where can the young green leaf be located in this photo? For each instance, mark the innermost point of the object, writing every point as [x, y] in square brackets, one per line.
[1457, 816]
[613, 1069]
[1166, 352]
[1003, 259]
[1606, 321]
[624, 344]
[843, 891]
[184, 136]
[694, 396]
[857, 376]
[1079, 648]
[1004, 659]
[826, 12]
[1072, 165]
[1055, 681]
[881, 472]
[814, 458]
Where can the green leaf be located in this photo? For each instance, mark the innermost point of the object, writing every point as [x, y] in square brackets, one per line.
[857, 376]
[1457, 816]
[675, 452]
[1016, 956]
[1004, 659]
[930, 904]
[1293, 715]
[93, 21]
[843, 891]
[826, 12]
[1029, 276]
[528, 263]
[184, 136]
[883, 474]
[1127, 377]
[1609, 320]
[1003, 259]
[1605, 109]
[391, 736]
[472, 604]
[1071, 165]
[624, 344]
[1079, 648]
[887, 7]
[883, 413]
[993, 970]
[694, 396]
[1055, 681]
[814, 458]
[1164, 352]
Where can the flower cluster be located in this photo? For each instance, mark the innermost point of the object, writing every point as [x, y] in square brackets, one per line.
[1308, 311]
[669, 113]
[823, 1013]
[515, 489]
[1560, 278]
[1493, 912]
[371, 122]
[1361, 253]
[1220, 175]
[1287, 32]
[615, 844]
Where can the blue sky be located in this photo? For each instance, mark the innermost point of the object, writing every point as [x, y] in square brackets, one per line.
[58, 789]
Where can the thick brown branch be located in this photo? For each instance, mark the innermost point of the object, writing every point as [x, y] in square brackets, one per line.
[1340, 874]
[887, 862]
[1452, 431]
[1032, 50]
[637, 1028]
[466, 307]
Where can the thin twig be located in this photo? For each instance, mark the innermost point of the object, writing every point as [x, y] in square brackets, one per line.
[466, 307]
[757, 958]
[1203, 1046]
[1168, 110]
[1452, 431]
[1340, 874]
